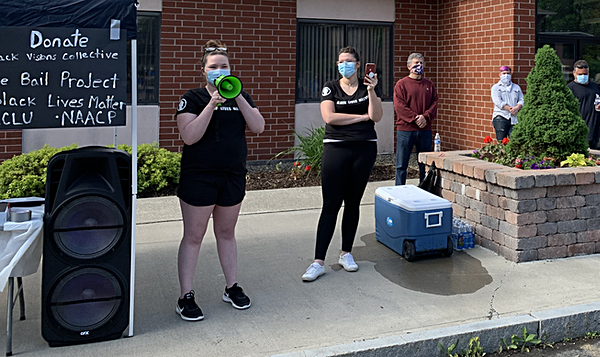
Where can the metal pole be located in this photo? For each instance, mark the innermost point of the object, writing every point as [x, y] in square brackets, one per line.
[9, 316]
[134, 164]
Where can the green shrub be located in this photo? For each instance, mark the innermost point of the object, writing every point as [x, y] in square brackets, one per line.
[549, 124]
[310, 148]
[158, 168]
[25, 175]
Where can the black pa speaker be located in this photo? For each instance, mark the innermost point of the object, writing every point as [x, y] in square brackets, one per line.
[87, 246]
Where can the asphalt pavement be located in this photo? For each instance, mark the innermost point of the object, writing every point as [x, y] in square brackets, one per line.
[390, 307]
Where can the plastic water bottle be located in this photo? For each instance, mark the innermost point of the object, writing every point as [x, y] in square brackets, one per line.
[596, 102]
[455, 232]
[461, 236]
[437, 143]
[470, 240]
[458, 233]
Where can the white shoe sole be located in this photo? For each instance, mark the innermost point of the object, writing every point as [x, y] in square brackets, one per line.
[178, 311]
[227, 299]
[312, 279]
[350, 269]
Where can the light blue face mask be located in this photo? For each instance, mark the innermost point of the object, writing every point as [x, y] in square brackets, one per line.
[582, 78]
[214, 74]
[347, 69]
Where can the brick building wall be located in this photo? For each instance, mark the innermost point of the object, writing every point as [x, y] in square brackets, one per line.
[474, 39]
[464, 42]
[261, 37]
[416, 30]
[10, 143]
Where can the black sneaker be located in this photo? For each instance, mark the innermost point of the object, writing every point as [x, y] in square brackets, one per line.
[235, 295]
[188, 309]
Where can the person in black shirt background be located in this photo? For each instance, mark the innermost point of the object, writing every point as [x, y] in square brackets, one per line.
[586, 93]
[213, 176]
[350, 108]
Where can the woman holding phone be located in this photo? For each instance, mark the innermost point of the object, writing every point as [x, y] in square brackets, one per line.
[350, 108]
[213, 176]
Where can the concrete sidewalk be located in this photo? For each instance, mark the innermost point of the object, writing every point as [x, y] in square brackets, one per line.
[388, 307]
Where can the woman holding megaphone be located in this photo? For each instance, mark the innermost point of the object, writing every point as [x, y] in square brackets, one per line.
[350, 107]
[212, 122]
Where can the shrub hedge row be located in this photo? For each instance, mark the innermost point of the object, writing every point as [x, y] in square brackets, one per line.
[25, 175]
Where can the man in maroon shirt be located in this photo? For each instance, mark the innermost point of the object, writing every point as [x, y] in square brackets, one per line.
[415, 102]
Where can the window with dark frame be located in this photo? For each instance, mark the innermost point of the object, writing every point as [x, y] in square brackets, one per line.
[318, 44]
[148, 58]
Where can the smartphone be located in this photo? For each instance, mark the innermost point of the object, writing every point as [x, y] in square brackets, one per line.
[369, 70]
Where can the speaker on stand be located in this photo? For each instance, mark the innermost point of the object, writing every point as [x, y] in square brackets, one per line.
[87, 246]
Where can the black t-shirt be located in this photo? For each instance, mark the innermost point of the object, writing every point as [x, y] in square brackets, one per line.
[357, 103]
[223, 146]
[586, 94]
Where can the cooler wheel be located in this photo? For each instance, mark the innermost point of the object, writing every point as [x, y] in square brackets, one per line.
[409, 250]
[449, 248]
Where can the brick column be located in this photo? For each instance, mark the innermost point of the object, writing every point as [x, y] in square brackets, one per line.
[261, 37]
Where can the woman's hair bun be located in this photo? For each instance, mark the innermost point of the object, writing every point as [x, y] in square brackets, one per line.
[214, 43]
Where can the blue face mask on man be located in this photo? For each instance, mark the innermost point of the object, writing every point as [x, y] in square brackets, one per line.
[582, 78]
[347, 69]
[214, 74]
[417, 69]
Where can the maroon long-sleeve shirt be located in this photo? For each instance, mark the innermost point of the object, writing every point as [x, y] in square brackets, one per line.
[414, 97]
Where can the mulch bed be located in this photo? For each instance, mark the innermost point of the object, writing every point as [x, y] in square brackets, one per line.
[272, 179]
[283, 179]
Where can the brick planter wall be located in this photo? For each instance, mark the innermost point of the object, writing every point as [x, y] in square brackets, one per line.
[522, 215]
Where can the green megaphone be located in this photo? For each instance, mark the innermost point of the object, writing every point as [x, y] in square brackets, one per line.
[228, 87]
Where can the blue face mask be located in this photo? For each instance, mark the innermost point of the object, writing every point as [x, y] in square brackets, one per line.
[582, 78]
[505, 79]
[417, 69]
[213, 75]
[347, 69]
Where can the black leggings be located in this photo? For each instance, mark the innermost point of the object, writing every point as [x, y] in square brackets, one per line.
[345, 170]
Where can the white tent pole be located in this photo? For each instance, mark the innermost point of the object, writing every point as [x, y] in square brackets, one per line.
[134, 186]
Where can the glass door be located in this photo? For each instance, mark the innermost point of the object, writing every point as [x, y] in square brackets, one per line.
[566, 49]
[591, 53]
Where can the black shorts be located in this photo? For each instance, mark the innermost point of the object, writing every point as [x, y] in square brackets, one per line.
[212, 188]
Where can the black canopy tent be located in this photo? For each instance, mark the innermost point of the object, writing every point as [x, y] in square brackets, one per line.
[86, 14]
[70, 13]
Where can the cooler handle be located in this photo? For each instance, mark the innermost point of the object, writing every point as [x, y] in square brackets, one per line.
[440, 214]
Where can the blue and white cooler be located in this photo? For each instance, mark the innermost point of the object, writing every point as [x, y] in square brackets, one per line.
[411, 221]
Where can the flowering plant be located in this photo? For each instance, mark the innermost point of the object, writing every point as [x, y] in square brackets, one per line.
[576, 160]
[308, 151]
[497, 153]
[491, 152]
[529, 162]
[299, 171]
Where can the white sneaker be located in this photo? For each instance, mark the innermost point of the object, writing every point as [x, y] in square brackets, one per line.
[314, 271]
[347, 261]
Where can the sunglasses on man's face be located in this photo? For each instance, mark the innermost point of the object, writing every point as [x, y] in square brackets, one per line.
[584, 66]
[212, 49]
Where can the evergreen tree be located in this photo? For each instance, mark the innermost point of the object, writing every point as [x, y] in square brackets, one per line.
[549, 124]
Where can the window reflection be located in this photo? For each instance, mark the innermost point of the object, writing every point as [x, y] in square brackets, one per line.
[569, 17]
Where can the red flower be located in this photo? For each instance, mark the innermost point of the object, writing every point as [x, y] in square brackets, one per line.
[308, 167]
[487, 140]
[297, 164]
[518, 166]
[505, 141]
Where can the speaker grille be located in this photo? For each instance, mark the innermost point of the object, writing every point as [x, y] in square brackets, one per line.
[88, 227]
[86, 299]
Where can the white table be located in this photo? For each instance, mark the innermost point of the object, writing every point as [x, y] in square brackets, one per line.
[20, 255]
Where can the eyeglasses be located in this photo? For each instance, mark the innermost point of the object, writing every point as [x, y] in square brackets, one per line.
[582, 66]
[212, 49]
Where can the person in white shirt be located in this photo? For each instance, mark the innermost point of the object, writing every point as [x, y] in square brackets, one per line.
[508, 100]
